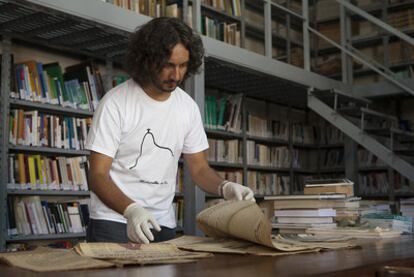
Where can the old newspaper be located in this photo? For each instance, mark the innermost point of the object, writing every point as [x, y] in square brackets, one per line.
[131, 253]
[244, 221]
[44, 259]
[99, 255]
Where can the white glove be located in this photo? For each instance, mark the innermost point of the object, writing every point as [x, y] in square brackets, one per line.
[138, 220]
[234, 191]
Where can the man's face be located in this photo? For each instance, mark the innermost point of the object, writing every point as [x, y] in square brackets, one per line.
[172, 74]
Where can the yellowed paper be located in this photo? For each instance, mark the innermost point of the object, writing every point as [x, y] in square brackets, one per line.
[44, 259]
[230, 246]
[244, 220]
[357, 233]
[136, 253]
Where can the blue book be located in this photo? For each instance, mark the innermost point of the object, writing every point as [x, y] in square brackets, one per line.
[43, 86]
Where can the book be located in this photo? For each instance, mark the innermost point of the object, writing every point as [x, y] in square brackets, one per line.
[324, 203]
[305, 213]
[56, 81]
[347, 190]
[356, 232]
[304, 220]
[303, 225]
[74, 217]
[328, 182]
[307, 196]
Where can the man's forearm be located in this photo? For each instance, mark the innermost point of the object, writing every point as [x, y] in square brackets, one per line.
[109, 193]
[208, 180]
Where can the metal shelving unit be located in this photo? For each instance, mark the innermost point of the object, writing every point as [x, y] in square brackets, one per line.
[225, 165]
[270, 141]
[47, 192]
[373, 168]
[268, 168]
[222, 134]
[48, 150]
[45, 237]
[209, 10]
[24, 104]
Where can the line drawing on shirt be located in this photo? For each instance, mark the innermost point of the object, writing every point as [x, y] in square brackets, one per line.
[142, 144]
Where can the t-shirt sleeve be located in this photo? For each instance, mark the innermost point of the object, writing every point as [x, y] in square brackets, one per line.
[196, 139]
[105, 132]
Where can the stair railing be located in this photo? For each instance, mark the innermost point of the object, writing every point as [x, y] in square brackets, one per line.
[357, 55]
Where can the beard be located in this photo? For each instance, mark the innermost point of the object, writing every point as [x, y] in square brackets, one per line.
[167, 86]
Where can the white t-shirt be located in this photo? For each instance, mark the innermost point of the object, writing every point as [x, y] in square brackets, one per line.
[145, 138]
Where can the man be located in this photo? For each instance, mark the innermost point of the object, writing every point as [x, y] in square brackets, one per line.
[139, 131]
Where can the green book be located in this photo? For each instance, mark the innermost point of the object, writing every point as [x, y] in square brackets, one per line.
[221, 108]
[55, 71]
[214, 111]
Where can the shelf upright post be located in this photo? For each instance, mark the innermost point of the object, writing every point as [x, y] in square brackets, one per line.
[351, 162]
[197, 15]
[244, 134]
[4, 137]
[109, 74]
[242, 24]
[268, 28]
[350, 146]
[306, 41]
[185, 12]
[290, 138]
[288, 44]
[194, 197]
[385, 42]
[386, 36]
[345, 24]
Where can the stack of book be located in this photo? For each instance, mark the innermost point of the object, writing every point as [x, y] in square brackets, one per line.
[323, 204]
[315, 205]
[298, 220]
[335, 186]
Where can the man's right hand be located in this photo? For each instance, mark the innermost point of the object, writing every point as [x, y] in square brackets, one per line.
[138, 220]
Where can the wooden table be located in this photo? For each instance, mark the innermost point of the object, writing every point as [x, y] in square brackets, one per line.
[351, 262]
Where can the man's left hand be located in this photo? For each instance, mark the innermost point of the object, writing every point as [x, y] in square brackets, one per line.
[234, 191]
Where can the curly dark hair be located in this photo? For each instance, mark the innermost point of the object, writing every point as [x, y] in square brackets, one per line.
[150, 48]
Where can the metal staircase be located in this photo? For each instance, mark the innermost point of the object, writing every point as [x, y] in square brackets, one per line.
[379, 133]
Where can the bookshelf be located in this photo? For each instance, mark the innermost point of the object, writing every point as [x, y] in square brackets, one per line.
[372, 41]
[34, 107]
[269, 151]
[42, 159]
[286, 33]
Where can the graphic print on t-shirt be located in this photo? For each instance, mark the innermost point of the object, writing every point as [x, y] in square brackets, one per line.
[150, 134]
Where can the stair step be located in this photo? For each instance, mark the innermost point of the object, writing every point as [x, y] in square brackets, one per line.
[368, 113]
[386, 132]
[404, 152]
[407, 141]
[402, 133]
[328, 96]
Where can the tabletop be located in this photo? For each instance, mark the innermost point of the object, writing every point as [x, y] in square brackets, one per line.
[363, 261]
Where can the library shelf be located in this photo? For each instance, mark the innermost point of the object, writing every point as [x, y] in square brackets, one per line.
[45, 237]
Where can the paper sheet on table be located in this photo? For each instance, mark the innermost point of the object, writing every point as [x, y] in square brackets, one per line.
[130, 253]
[44, 259]
[230, 246]
[99, 255]
[245, 220]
